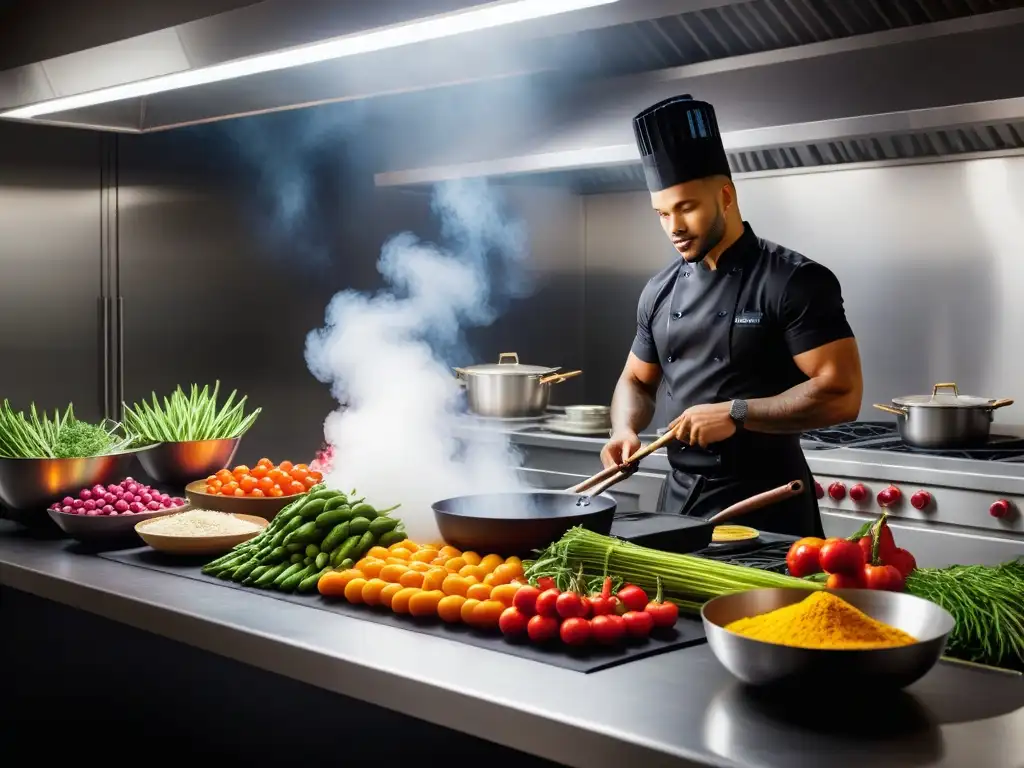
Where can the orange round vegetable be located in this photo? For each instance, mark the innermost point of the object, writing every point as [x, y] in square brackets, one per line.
[371, 591]
[285, 466]
[381, 553]
[388, 593]
[504, 593]
[416, 565]
[471, 558]
[411, 578]
[354, 590]
[392, 572]
[448, 551]
[455, 585]
[401, 552]
[424, 555]
[450, 608]
[467, 610]
[425, 603]
[410, 545]
[490, 562]
[454, 564]
[487, 613]
[434, 578]
[400, 602]
[505, 572]
[479, 591]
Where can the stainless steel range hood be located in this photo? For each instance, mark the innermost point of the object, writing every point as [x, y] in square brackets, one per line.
[920, 94]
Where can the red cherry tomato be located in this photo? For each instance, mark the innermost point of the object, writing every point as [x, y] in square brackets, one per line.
[546, 600]
[575, 631]
[841, 556]
[803, 557]
[541, 629]
[512, 623]
[884, 577]
[570, 606]
[525, 600]
[608, 629]
[844, 581]
[604, 603]
[545, 582]
[638, 623]
[634, 598]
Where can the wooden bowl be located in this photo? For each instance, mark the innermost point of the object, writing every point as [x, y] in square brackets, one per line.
[266, 507]
[198, 545]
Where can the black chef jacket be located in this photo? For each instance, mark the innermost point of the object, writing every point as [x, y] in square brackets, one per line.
[732, 333]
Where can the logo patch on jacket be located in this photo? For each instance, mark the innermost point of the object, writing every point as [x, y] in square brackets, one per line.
[748, 318]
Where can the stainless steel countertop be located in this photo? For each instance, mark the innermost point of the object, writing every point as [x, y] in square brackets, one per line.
[680, 708]
[864, 464]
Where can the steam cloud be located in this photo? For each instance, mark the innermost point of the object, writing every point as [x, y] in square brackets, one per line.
[387, 358]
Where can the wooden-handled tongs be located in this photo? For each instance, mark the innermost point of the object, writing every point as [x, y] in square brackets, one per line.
[606, 478]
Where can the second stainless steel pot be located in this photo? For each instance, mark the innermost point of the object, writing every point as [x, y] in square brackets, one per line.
[508, 389]
[943, 420]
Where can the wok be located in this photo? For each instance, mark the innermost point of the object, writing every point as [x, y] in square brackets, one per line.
[520, 523]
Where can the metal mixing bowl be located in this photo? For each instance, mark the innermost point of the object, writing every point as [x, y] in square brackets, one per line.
[760, 663]
[106, 528]
[27, 484]
[181, 463]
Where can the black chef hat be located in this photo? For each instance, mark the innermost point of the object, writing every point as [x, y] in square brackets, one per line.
[679, 141]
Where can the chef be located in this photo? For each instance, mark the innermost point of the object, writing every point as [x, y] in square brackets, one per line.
[746, 339]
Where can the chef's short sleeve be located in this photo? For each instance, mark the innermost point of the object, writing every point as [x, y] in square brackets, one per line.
[812, 309]
[643, 343]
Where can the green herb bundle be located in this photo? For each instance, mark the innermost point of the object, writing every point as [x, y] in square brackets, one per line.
[37, 436]
[196, 416]
[988, 605]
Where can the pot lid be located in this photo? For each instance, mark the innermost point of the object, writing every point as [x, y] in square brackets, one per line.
[944, 396]
[508, 365]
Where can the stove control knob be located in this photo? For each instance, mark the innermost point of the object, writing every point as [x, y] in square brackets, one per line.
[887, 497]
[921, 500]
[818, 490]
[858, 492]
[837, 491]
[999, 508]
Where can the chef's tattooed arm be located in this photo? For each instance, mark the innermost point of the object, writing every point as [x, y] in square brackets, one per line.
[632, 408]
[831, 394]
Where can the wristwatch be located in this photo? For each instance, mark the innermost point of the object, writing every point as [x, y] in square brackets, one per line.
[738, 412]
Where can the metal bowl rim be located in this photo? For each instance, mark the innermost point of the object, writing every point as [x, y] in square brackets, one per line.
[193, 442]
[838, 651]
[126, 452]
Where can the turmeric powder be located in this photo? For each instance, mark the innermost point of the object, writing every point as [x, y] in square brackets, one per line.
[821, 620]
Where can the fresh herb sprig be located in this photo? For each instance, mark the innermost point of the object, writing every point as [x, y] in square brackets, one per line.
[182, 418]
[38, 436]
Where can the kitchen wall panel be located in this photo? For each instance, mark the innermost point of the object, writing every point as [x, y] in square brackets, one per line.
[49, 267]
[211, 293]
[929, 257]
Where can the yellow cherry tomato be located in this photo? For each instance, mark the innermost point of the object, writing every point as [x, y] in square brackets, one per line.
[381, 553]
[450, 608]
[490, 562]
[454, 564]
[504, 593]
[425, 603]
[467, 610]
[354, 590]
[471, 558]
[434, 578]
[486, 614]
[388, 593]
[400, 601]
[454, 585]
[411, 578]
[371, 591]
[392, 572]
[479, 591]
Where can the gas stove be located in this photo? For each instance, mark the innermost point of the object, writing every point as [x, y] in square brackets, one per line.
[949, 506]
[884, 436]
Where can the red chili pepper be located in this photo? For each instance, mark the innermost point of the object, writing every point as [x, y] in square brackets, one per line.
[604, 603]
[664, 614]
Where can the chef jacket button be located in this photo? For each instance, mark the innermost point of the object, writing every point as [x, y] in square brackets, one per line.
[671, 359]
[723, 313]
[677, 315]
[718, 359]
[686, 274]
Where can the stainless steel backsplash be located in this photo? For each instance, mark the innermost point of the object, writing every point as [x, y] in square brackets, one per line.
[930, 258]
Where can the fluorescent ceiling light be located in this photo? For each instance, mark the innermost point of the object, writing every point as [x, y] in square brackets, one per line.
[435, 28]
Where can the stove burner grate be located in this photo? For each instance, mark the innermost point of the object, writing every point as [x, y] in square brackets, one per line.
[884, 436]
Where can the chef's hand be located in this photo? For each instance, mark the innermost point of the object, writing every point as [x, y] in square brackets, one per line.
[704, 424]
[621, 446]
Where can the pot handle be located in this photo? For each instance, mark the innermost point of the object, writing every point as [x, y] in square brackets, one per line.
[508, 358]
[558, 378]
[890, 409]
[787, 491]
[948, 385]
[1001, 403]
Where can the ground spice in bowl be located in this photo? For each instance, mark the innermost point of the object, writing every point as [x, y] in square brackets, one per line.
[822, 620]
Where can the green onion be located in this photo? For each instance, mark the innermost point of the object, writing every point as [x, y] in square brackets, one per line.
[686, 580]
[37, 436]
[987, 603]
[182, 418]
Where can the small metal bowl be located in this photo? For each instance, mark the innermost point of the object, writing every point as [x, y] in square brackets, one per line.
[95, 529]
[759, 663]
[181, 463]
[266, 507]
[34, 484]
